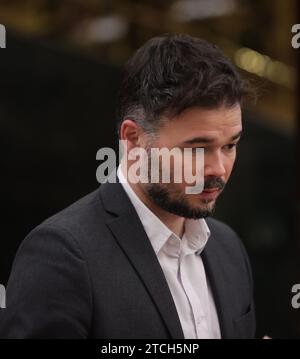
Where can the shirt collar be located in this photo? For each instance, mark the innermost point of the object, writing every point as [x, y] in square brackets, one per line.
[196, 234]
[196, 231]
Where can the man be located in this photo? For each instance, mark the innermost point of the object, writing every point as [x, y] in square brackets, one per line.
[139, 260]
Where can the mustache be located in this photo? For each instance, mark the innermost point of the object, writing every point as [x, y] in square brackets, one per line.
[214, 182]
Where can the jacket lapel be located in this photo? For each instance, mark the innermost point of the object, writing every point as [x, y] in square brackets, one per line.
[131, 236]
[220, 285]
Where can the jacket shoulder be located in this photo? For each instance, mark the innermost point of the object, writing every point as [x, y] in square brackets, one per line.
[227, 242]
[224, 234]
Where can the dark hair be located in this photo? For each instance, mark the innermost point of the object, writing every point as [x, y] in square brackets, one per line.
[173, 72]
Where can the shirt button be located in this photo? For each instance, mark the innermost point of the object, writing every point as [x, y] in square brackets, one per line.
[200, 319]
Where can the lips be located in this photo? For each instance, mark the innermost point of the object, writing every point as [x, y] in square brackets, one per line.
[210, 193]
[210, 190]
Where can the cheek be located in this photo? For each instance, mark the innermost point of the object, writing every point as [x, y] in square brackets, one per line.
[228, 164]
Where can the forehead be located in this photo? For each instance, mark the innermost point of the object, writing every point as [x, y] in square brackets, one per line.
[219, 123]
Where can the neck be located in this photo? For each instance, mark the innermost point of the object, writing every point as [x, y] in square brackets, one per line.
[173, 222]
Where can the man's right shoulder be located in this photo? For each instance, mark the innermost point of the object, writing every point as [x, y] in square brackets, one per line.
[79, 212]
[84, 222]
[80, 220]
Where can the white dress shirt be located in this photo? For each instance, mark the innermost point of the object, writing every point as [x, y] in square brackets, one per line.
[183, 268]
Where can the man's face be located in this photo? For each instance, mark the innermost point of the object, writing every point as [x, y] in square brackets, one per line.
[215, 130]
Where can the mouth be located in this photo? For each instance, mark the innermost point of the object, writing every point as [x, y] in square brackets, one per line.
[210, 193]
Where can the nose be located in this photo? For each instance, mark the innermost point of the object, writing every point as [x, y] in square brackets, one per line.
[214, 164]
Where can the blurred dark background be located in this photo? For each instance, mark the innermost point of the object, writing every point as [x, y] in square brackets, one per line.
[59, 76]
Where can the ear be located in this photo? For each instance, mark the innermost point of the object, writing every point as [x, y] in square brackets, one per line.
[131, 132]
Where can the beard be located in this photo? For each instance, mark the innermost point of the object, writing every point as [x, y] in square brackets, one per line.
[175, 202]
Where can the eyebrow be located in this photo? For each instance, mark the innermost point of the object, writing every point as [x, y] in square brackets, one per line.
[210, 139]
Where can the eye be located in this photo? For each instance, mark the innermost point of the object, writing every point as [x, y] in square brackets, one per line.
[230, 146]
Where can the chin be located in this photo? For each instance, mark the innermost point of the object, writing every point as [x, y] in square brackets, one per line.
[204, 203]
[206, 206]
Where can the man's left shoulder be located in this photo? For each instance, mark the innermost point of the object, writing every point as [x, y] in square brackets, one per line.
[223, 233]
[227, 243]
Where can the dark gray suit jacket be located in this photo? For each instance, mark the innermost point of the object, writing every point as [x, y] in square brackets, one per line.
[90, 272]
